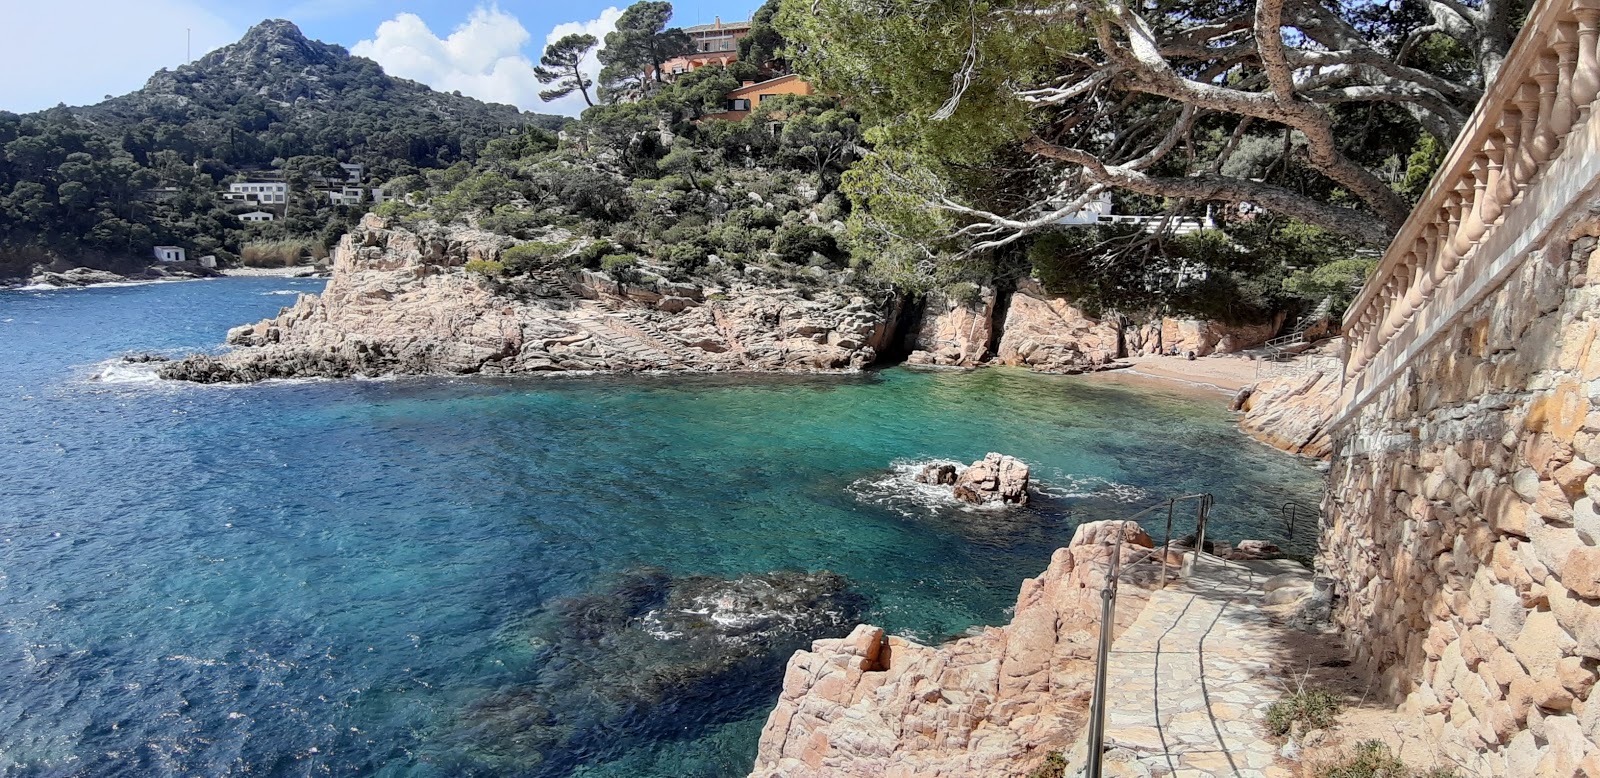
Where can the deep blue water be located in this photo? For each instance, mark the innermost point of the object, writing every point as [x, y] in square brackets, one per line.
[346, 578]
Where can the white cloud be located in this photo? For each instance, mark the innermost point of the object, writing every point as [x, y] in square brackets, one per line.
[88, 49]
[484, 57]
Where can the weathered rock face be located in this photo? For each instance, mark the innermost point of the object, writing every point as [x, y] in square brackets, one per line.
[1292, 412]
[1048, 333]
[938, 474]
[1462, 526]
[1210, 337]
[400, 303]
[995, 478]
[953, 332]
[991, 704]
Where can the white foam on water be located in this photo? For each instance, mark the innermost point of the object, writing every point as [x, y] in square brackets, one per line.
[117, 371]
[900, 491]
[281, 292]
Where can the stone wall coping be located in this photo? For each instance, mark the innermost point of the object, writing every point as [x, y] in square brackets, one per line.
[1525, 161]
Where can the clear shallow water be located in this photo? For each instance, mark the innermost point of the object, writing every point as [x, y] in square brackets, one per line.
[339, 578]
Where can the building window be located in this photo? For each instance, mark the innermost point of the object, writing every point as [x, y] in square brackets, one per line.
[739, 105]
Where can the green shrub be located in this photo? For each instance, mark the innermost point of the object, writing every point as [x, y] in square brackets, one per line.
[1055, 766]
[1313, 708]
[486, 267]
[622, 267]
[1372, 759]
[509, 220]
[687, 258]
[796, 243]
[966, 293]
[524, 258]
[393, 209]
[589, 256]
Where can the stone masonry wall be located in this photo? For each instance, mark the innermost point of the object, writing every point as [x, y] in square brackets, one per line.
[1463, 529]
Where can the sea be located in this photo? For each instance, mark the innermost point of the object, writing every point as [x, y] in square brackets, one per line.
[470, 576]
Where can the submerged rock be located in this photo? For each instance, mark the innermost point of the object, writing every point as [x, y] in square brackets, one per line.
[651, 656]
[996, 477]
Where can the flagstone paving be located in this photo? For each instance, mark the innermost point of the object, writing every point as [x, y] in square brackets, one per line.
[1192, 678]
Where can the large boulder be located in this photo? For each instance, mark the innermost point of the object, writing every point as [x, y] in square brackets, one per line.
[992, 704]
[995, 478]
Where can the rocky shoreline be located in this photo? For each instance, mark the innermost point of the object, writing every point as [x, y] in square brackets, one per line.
[403, 302]
[995, 703]
[80, 277]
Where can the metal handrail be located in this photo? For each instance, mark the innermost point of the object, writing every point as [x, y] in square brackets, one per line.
[1291, 510]
[1108, 613]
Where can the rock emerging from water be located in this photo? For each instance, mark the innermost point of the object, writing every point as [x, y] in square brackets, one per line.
[993, 704]
[938, 474]
[996, 477]
[647, 658]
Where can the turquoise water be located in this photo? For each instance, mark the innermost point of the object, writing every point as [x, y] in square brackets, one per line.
[369, 577]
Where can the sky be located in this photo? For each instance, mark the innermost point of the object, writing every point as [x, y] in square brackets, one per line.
[88, 50]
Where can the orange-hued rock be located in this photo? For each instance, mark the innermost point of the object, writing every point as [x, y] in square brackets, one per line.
[995, 477]
[1049, 333]
[955, 333]
[1292, 413]
[990, 704]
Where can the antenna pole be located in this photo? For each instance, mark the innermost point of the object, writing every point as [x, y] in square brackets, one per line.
[188, 45]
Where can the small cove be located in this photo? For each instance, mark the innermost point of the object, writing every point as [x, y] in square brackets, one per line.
[332, 578]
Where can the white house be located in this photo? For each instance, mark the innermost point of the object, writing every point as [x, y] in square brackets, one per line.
[1091, 211]
[350, 195]
[264, 192]
[353, 172]
[255, 216]
[169, 254]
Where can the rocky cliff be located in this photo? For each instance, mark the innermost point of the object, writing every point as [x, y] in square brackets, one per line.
[1032, 328]
[992, 704]
[400, 302]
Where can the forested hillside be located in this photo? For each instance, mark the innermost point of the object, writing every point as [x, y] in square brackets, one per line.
[75, 182]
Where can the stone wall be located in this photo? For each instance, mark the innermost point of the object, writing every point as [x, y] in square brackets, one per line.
[1462, 526]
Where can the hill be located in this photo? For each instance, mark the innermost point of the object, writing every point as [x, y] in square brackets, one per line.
[102, 185]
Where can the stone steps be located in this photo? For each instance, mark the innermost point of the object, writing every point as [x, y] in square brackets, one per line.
[1191, 679]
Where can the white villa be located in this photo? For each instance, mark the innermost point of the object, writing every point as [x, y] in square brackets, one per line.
[169, 254]
[256, 216]
[264, 192]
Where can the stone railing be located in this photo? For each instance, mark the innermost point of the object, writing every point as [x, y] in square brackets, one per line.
[1523, 160]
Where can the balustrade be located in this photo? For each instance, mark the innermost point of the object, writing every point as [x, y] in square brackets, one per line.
[1545, 91]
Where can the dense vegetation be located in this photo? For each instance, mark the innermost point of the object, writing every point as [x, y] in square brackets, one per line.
[73, 180]
[991, 122]
[955, 139]
[661, 185]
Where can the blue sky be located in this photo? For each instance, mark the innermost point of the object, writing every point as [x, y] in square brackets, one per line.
[89, 49]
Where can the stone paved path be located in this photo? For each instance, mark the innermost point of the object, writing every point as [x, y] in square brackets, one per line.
[1191, 679]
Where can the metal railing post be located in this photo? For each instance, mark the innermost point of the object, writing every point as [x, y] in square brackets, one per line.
[1108, 628]
[1093, 767]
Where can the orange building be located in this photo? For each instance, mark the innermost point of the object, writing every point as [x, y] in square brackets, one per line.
[749, 97]
[714, 44]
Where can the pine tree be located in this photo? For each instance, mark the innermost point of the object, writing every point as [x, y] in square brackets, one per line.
[560, 65]
[641, 42]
